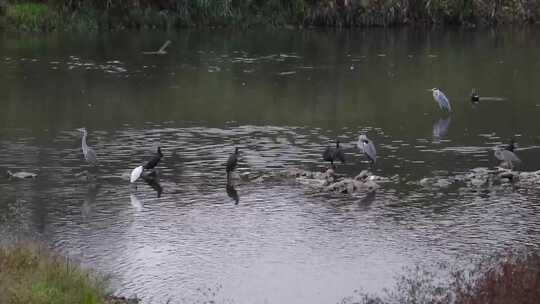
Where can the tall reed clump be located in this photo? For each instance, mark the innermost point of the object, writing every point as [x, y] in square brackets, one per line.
[31, 274]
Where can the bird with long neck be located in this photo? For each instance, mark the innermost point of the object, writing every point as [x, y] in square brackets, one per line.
[89, 153]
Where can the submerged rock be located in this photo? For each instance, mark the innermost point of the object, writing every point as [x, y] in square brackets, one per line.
[328, 181]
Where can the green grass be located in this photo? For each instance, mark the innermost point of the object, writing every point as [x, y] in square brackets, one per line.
[31, 17]
[30, 274]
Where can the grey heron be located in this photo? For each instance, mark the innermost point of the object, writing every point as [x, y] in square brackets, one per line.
[507, 157]
[151, 164]
[441, 99]
[366, 145]
[332, 154]
[89, 153]
[232, 161]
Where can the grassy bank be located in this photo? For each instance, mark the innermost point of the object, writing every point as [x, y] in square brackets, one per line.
[32, 274]
[167, 14]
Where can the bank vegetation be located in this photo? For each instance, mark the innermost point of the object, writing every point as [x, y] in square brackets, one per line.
[85, 15]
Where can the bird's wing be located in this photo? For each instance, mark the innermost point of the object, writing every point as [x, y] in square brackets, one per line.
[443, 102]
[327, 154]
[340, 155]
[135, 174]
[510, 156]
[152, 162]
[371, 151]
[91, 156]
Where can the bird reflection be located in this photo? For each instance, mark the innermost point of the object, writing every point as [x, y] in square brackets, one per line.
[367, 200]
[89, 199]
[135, 202]
[154, 183]
[440, 128]
[231, 192]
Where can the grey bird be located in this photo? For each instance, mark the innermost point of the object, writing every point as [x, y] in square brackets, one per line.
[441, 99]
[89, 153]
[232, 161]
[366, 145]
[507, 157]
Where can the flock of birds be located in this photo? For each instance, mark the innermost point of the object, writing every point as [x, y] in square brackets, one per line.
[505, 154]
[331, 154]
[91, 158]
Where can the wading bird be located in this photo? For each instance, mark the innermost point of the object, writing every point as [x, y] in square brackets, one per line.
[89, 153]
[151, 164]
[366, 145]
[333, 154]
[231, 163]
[441, 99]
[507, 157]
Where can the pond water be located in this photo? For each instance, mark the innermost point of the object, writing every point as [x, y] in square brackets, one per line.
[281, 97]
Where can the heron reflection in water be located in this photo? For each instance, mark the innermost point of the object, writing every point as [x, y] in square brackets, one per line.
[231, 192]
[89, 199]
[440, 127]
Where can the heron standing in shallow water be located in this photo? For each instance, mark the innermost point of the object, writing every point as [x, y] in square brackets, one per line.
[441, 99]
[333, 154]
[89, 153]
[151, 164]
[366, 145]
[507, 157]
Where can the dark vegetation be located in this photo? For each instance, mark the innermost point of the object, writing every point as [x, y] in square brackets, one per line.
[167, 14]
[510, 278]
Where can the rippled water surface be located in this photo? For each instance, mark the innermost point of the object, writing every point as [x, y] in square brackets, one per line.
[280, 97]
